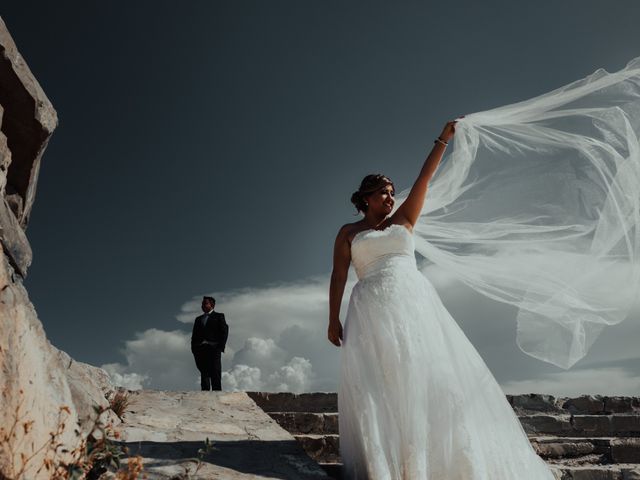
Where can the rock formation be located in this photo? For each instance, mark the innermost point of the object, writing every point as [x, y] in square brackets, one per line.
[36, 379]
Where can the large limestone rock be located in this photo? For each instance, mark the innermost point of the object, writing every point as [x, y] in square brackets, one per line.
[43, 390]
[33, 381]
[29, 121]
[12, 236]
[89, 385]
[37, 380]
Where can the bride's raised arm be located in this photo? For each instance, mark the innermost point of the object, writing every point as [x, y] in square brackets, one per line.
[410, 209]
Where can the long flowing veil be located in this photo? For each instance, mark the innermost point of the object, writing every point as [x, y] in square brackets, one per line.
[537, 205]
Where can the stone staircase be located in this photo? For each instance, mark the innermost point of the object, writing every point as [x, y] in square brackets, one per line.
[584, 438]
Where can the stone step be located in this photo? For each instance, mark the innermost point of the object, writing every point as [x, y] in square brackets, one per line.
[317, 402]
[564, 425]
[321, 448]
[306, 422]
[567, 451]
[616, 425]
[598, 472]
[588, 449]
[527, 403]
[589, 472]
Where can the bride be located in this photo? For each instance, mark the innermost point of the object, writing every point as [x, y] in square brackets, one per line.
[538, 207]
[416, 400]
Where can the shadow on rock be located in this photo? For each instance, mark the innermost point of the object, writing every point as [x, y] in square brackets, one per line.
[283, 459]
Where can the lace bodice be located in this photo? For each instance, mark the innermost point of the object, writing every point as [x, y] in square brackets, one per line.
[374, 251]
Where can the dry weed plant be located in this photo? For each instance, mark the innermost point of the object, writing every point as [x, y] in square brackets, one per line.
[119, 402]
[134, 469]
[93, 455]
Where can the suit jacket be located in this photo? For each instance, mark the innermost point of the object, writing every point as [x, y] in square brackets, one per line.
[216, 330]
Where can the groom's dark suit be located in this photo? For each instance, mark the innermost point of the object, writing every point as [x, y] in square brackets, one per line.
[209, 337]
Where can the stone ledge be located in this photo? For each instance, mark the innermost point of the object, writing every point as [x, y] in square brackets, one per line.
[321, 448]
[307, 422]
[594, 472]
[611, 449]
[316, 402]
[28, 122]
[626, 425]
[322, 402]
[620, 425]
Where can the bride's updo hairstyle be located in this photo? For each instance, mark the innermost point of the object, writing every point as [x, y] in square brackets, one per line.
[370, 184]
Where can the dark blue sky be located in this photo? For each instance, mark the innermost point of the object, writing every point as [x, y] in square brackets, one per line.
[207, 146]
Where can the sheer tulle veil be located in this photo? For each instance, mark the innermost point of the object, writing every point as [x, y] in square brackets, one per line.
[536, 205]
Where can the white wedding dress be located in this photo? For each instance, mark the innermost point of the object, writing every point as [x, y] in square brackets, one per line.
[416, 400]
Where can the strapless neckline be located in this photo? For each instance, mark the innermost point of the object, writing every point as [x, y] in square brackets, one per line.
[368, 230]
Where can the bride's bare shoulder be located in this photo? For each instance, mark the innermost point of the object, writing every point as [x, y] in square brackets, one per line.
[350, 230]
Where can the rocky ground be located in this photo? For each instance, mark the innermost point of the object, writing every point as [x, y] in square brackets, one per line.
[168, 429]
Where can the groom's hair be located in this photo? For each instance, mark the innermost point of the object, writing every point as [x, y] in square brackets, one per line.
[211, 299]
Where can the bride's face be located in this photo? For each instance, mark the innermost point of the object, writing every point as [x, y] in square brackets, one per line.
[382, 201]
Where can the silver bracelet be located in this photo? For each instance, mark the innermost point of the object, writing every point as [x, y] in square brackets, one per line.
[439, 140]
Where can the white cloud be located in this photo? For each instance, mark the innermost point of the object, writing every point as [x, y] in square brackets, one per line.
[121, 378]
[278, 341]
[296, 377]
[261, 353]
[161, 359]
[242, 377]
[261, 358]
[262, 312]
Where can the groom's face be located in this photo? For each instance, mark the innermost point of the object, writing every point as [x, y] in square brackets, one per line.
[207, 305]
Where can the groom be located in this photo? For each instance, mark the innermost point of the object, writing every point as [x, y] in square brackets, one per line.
[210, 332]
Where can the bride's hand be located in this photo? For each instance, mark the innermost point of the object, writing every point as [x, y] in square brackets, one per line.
[448, 131]
[335, 332]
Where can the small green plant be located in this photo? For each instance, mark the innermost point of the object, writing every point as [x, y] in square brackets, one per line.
[100, 453]
[188, 474]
